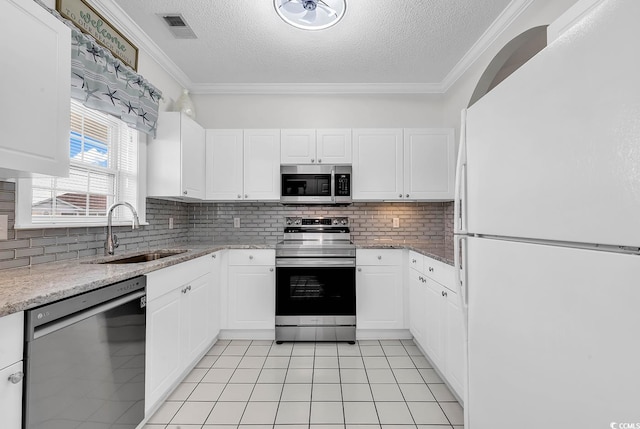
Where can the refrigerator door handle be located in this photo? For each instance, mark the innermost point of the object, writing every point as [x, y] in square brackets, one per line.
[460, 206]
[460, 261]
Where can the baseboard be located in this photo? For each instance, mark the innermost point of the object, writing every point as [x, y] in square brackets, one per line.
[383, 334]
[247, 334]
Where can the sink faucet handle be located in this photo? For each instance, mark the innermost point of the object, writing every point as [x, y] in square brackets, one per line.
[116, 243]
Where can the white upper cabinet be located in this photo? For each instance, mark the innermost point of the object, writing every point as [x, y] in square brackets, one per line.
[176, 158]
[224, 178]
[243, 165]
[35, 88]
[377, 164]
[429, 164]
[262, 165]
[310, 146]
[397, 165]
[298, 146]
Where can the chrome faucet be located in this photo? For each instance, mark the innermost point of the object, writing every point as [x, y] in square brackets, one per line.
[112, 240]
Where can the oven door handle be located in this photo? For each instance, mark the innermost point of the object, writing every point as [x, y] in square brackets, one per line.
[315, 262]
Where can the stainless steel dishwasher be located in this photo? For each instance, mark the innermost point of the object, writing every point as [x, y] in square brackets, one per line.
[84, 360]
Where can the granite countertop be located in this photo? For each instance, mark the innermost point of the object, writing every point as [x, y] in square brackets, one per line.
[424, 248]
[25, 288]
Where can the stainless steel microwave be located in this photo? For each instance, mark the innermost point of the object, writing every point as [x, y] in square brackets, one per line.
[315, 184]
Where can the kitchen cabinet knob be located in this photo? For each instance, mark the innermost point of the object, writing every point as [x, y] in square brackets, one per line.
[246, 196]
[407, 195]
[379, 258]
[184, 192]
[312, 160]
[271, 269]
[16, 377]
[250, 256]
[239, 196]
[420, 278]
[359, 270]
[430, 269]
[400, 195]
[319, 161]
[213, 256]
[413, 261]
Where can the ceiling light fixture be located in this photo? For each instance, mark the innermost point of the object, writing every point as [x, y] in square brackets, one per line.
[311, 14]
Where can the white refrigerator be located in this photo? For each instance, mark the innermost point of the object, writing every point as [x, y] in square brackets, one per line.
[548, 234]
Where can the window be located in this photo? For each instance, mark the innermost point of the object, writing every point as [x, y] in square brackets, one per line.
[103, 169]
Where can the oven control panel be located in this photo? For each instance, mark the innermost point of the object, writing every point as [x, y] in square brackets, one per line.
[317, 221]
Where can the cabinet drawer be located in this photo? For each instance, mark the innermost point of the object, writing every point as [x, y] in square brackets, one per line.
[252, 257]
[439, 271]
[378, 257]
[167, 279]
[12, 334]
[415, 261]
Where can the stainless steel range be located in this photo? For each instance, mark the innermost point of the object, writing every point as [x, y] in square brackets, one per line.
[316, 281]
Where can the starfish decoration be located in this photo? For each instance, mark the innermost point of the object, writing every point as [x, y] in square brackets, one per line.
[91, 93]
[153, 128]
[95, 52]
[81, 77]
[130, 107]
[111, 95]
[143, 115]
[129, 83]
[138, 81]
[116, 69]
[153, 95]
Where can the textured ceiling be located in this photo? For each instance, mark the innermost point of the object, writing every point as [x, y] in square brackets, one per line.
[377, 42]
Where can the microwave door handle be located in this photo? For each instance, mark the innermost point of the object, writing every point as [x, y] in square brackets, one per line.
[333, 184]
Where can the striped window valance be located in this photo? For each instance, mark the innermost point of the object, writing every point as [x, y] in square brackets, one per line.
[102, 82]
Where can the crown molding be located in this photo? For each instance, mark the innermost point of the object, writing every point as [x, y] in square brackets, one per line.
[127, 26]
[502, 22]
[317, 88]
[114, 13]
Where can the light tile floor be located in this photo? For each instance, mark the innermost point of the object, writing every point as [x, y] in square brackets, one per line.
[386, 384]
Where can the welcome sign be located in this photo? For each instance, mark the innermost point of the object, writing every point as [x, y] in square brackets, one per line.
[91, 22]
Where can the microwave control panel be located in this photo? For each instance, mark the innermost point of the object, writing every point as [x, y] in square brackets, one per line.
[343, 185]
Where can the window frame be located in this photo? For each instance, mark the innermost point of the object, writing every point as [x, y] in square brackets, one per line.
[24, 194]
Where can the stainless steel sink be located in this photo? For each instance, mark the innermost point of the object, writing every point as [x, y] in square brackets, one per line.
[144, 257]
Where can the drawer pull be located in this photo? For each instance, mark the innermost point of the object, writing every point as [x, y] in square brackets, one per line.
[16, 377]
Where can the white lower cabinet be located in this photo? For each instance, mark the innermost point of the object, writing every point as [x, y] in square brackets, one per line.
[251, 290]
[436, 320]
[379, 289]
[180, 311]
[11, 375]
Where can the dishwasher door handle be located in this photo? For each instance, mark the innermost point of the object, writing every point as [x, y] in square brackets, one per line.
[54, 326]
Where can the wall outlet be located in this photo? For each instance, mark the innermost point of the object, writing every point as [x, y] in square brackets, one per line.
[236, 222]
[4, 227]
[396, 222]
[170, 223]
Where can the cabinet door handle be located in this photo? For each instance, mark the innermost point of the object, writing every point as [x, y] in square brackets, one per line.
[312, 160]
[250, 256]
[184, 192]
[444, 293]
[430, 269]
[413, 261]
[319, 161]
[213, 256]
[379, 257]
[271, 269]
[400, 195]
[359, 270]
[16, 377]
[239, 196]
[407, 195]
[246, 196]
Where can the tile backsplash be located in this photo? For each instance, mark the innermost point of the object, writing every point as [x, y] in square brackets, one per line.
[430, 224]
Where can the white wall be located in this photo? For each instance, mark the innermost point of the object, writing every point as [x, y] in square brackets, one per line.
[540, 12]
[158, 77]
[318, 111]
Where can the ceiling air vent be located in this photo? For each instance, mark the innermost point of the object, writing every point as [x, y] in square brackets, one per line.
[178, 26]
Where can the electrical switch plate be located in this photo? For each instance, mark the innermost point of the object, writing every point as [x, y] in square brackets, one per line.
[170, 223]
[4, 227]
[396, 222]
[236, 222]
